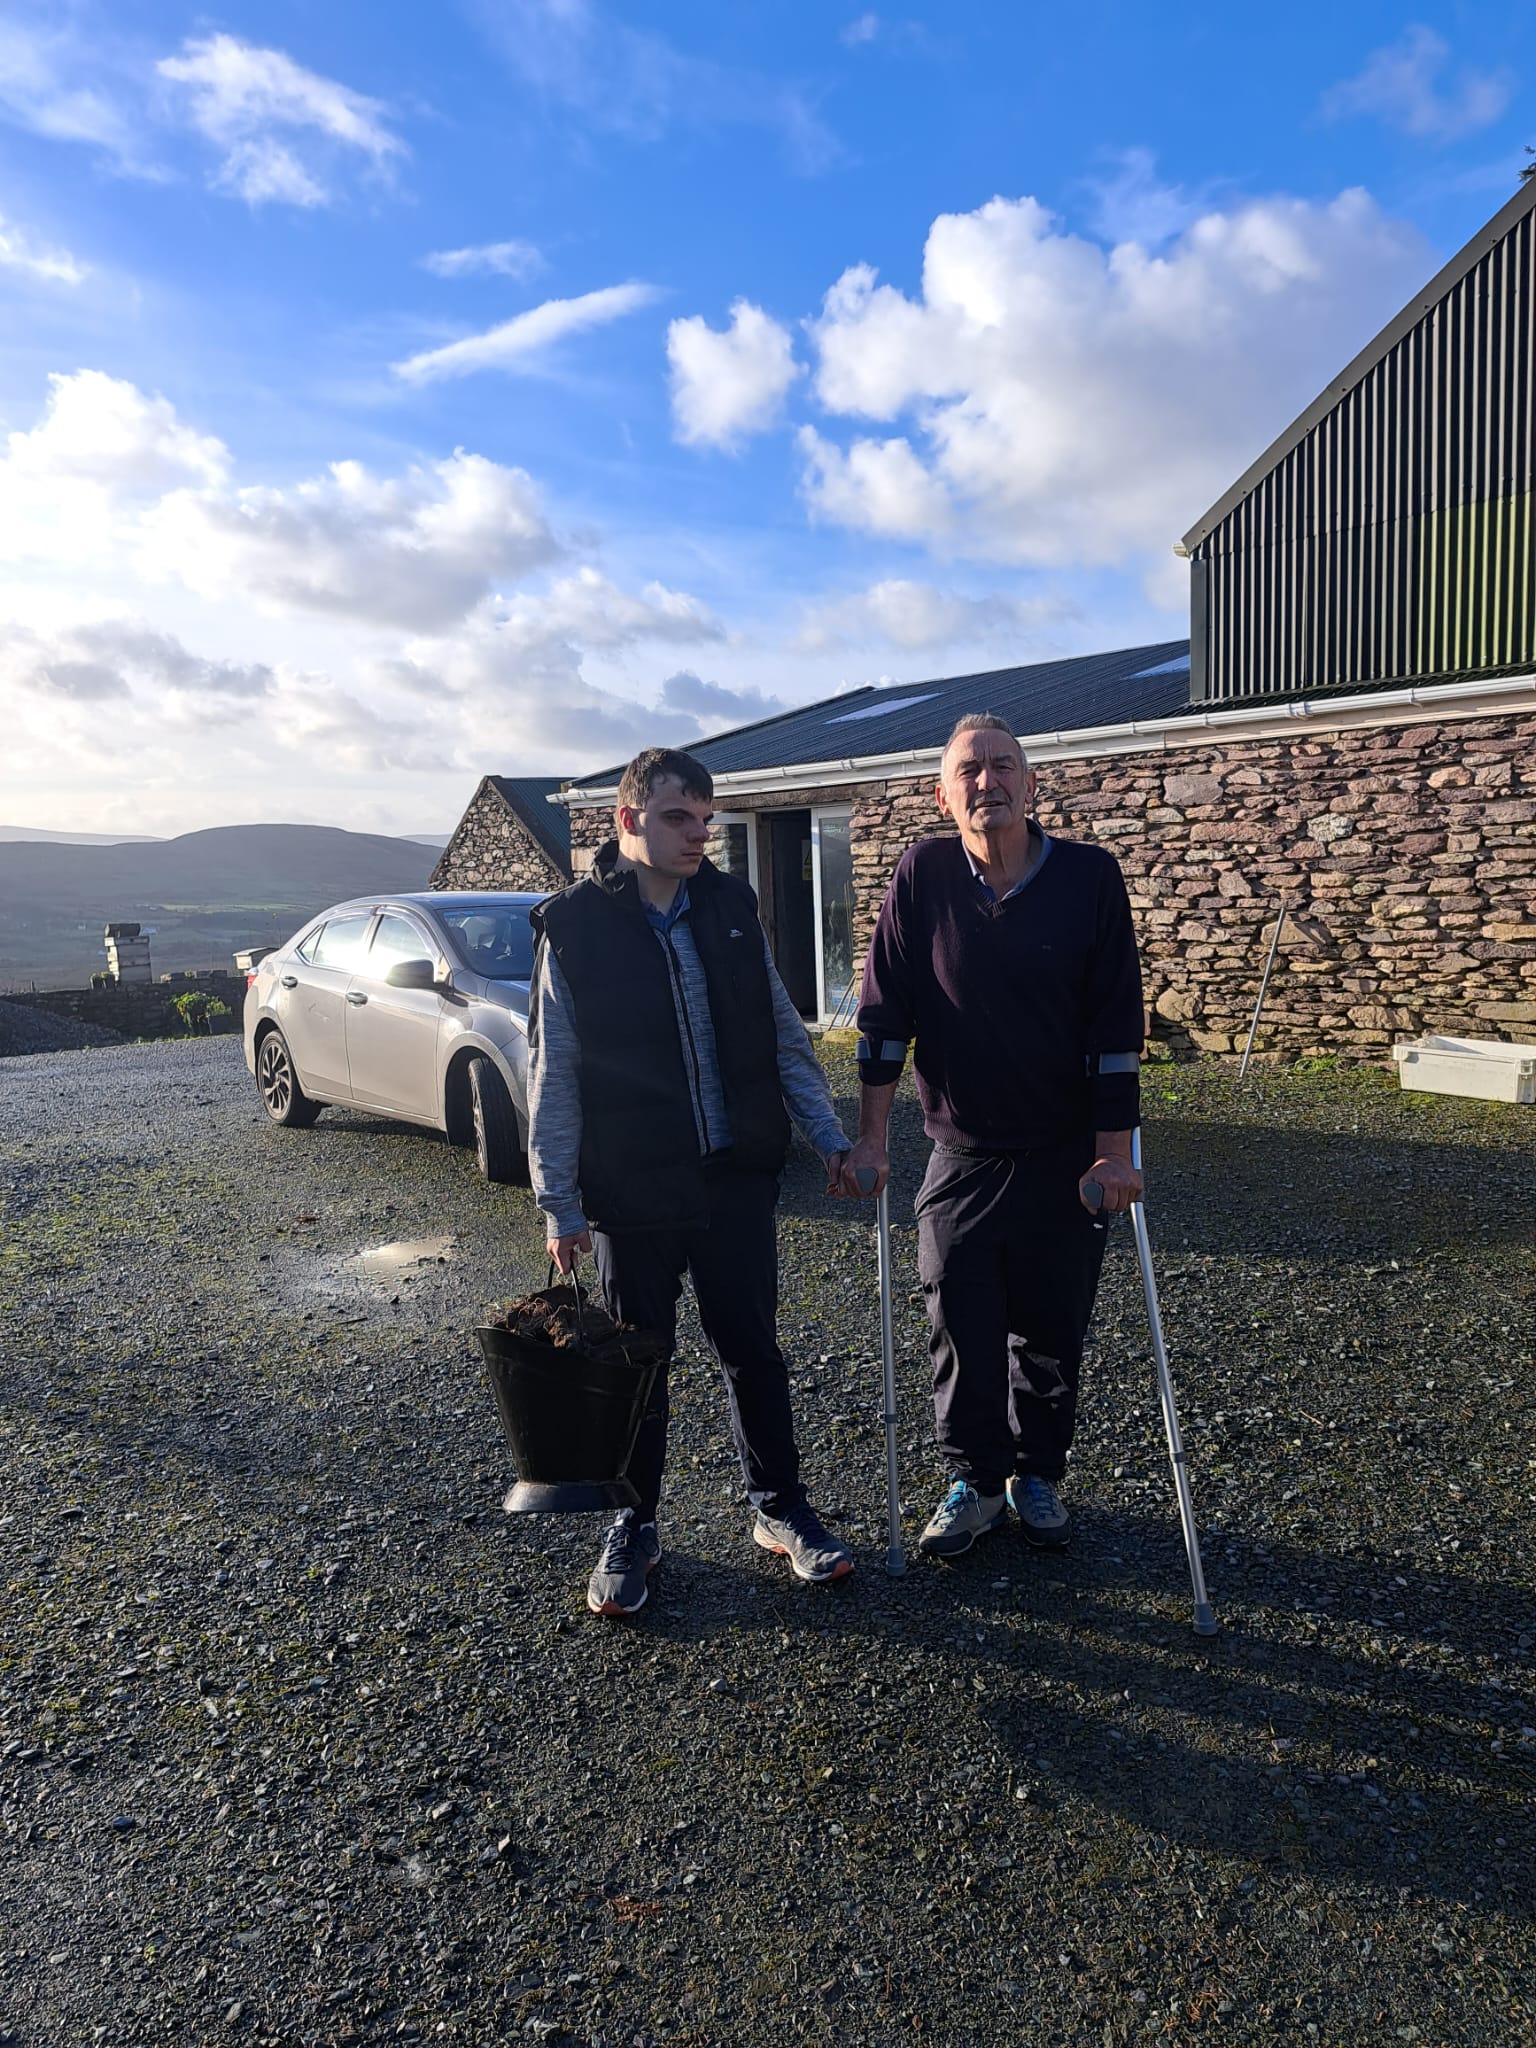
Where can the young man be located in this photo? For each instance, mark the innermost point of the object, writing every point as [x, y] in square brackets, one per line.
[1011, 960]
[664, 1054]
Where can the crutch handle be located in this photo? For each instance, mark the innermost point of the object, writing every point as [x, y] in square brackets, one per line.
[866, 1178]
[1093, 1195]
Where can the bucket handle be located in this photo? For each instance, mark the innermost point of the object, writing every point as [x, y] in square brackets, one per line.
[581, 1299]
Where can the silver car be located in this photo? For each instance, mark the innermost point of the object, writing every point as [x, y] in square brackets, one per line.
[411, 1006]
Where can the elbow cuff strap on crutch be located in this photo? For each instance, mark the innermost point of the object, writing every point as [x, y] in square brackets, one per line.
[881, 1059]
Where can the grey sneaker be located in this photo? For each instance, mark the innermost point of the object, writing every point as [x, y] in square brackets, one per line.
[1043, 1519]
[813, 1551]
[960, 1517]
[631, 1552]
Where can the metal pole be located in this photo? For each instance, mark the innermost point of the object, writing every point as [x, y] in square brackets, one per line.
[1274, 945]
[1205, 1621]
[895, 1557]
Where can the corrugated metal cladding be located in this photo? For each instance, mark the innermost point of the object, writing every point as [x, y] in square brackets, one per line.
[1396, 538]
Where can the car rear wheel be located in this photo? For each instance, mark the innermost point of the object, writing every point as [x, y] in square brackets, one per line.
[495, 1121]
[281, 1096]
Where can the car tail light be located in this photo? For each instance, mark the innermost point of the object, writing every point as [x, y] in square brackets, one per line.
[250, 979]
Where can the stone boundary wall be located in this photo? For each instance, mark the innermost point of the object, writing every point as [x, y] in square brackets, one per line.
[492, 848]
[1406, 854]
[140, 1009]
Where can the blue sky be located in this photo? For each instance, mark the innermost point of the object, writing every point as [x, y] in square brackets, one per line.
[391, 395]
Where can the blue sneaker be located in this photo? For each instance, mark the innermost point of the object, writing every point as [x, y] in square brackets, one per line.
[960, 1517]
[631, 1552]
[1043, 1519]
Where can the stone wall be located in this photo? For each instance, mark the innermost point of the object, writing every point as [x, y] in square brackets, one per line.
[141, 1009]
[493, 849]
[1406, 856]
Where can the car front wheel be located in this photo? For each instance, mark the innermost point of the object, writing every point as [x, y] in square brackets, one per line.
[281, 1096]
[495, 1121]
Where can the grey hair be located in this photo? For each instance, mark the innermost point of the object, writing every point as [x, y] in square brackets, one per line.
[981, 721]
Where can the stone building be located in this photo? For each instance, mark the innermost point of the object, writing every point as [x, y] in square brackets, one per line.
[1356, 742]
[511, 837]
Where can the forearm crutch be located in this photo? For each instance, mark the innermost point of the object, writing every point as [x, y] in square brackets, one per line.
[895, 1557]
[1205, 1621]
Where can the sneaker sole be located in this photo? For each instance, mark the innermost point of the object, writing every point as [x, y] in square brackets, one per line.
[1046, 1539]
[612, 1607]
[840, 1570]
[929, 1550]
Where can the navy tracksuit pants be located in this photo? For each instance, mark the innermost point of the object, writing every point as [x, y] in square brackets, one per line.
[1009, 1260]
[733, 1262]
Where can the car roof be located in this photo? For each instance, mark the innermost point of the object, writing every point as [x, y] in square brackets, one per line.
[433, 899]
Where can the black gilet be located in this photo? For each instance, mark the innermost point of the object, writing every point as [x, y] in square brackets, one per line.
[640, 1165]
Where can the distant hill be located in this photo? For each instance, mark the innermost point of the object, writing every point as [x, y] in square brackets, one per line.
[10, 833]
[205, 893]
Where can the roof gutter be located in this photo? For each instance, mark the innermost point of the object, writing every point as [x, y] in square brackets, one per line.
[1489, 695]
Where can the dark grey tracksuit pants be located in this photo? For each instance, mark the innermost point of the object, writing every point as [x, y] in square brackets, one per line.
[734, 1265]
[1009, 1260]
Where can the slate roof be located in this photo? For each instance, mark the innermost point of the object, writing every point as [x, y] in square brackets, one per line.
[1046, 696]
[550, 824]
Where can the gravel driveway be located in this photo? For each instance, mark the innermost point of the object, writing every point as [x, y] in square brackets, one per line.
[302, 1741]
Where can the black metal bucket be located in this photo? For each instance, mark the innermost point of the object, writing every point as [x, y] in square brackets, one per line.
[570, 1418]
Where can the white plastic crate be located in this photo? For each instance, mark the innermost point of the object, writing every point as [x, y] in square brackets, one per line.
[1488, 1068]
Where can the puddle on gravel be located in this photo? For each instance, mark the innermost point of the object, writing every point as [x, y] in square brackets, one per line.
[406, 1251]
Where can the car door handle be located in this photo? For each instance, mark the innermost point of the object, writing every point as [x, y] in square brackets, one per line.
[355, 995]
[290, 981]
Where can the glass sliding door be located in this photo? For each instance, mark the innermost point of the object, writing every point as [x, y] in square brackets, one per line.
[733, 844]
[832, 874]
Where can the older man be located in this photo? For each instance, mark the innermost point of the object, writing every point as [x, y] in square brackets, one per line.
[666, 1062]
[1009, 957]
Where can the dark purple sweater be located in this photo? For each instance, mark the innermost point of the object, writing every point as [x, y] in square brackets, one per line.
[1008, 1002]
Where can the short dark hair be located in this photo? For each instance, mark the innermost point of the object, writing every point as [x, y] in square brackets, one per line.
[663, 764]
[981, 721]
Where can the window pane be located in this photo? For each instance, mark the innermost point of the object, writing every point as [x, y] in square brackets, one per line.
[396, 939]
[496, 941]
[341, 943]
[836, 908]
[728, 849]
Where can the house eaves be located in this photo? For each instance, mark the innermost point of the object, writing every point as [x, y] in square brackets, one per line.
[1488, 696]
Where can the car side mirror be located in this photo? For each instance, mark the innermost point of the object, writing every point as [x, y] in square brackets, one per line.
[412, 974]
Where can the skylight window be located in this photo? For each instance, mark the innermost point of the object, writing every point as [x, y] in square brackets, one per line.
[1163, 668]
[884, 710]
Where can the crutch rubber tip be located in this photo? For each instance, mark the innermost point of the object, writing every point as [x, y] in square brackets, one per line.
[895, 1564]
[1206, 1623]
[866, 1178]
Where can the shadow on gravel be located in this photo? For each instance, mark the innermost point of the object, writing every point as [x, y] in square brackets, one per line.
[1369, 1768]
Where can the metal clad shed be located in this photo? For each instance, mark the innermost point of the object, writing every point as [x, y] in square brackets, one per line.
[1388, 533]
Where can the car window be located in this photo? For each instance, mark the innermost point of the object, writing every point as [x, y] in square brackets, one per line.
[496, 939]
[341, 942]
[397, 939]
[306, 946]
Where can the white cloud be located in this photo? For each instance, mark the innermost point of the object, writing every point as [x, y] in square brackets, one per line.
[1404, 86]
[881, 486]
[518, 342]
[412, 551]
[1064, 402]
[47, 87]
[238, 96]
[632, 82]
[913, 615]
[119, 658]
[19, 252]
[106, 430]
[493, 259]
[728, 385]
[862, 30]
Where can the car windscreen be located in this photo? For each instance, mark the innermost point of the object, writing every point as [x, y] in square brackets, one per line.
[495, 939]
